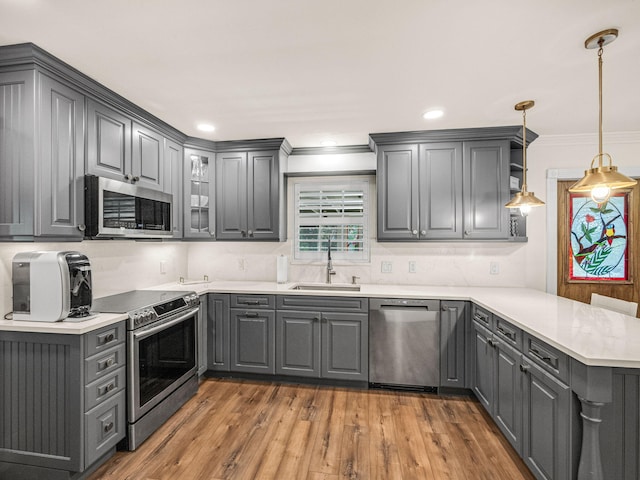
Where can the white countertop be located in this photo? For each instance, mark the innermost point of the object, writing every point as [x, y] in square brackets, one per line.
[591, 335]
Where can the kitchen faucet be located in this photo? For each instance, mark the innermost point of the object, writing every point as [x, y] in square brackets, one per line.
[330, 270]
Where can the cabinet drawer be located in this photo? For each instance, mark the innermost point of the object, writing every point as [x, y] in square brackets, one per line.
[103, 388]
[104, 363]
[482, 316]
[107, 337]
[253, 301]
[507, 332]
[548, 357]
[104, 426]
[323, 304]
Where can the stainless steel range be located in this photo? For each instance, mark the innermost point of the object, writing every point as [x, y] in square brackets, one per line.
[161, 355]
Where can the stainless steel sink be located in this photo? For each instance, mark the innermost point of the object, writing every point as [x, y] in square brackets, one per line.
[330, 287]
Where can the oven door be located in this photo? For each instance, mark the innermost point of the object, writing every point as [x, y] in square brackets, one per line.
[161, 357]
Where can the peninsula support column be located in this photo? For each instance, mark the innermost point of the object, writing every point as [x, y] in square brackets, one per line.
[594, 388]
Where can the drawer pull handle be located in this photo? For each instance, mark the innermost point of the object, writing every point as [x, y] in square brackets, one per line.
[480, 317]
[109, 338]
[536, 353]
[108, 388]
[107, 363]
[506, 333]
[108, 427]
[251, 314]
[252, 302]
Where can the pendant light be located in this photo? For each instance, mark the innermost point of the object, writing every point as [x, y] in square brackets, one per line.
[524, 200]
[600, 180]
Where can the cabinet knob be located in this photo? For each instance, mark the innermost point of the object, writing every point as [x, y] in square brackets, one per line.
[250, 233]
[524, 368]
[128, 177]
[136, 178]
[109, 338]
[212, 233]
[414, 232]
[423, 232]
[243, 233]
[82, 227]
[467, 232]
[108, 427]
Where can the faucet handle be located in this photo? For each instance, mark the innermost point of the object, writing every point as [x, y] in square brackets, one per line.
[354, 279]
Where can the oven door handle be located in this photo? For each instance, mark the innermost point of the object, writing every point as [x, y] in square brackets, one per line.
[146, 332]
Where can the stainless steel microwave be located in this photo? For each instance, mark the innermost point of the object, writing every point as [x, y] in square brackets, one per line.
[116, 209]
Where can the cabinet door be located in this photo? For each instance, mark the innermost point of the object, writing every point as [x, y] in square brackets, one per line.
[507, 411]
[60, 197]
[203, 314]
[440, 190]
[298, 343]
[483, 369]
[147, 166]
[345, 346]
[16, 153]
[253, 341]
[173, 157]
[108, 142]
[263, 196]
[199, 199]
[452, 344]
[218, 333]
[486, 189]
[397, 186]
[231, 195]
[546, 424]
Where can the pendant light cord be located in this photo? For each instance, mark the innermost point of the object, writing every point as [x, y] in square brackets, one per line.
[524, 150]
[600, 51]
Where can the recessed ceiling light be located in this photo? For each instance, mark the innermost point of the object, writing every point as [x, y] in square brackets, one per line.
[432, 114]
[205, 127]
[328, 143]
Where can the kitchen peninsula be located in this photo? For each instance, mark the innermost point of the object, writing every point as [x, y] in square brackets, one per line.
[592, 351]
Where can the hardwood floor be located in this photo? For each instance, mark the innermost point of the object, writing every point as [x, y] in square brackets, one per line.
[238, 429]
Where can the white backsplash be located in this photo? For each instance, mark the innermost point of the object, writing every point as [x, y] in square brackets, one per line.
[117, 266]
[436, 264]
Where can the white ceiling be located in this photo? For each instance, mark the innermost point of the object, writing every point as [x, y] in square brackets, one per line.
[315, 69]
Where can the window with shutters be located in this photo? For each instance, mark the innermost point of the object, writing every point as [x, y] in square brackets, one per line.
[332, 213]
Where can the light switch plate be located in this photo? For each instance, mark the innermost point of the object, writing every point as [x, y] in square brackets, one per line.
[387, 267]
[412, 266]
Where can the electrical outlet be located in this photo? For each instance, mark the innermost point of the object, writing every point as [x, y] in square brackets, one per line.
[386, 267]
[412, 266]
[163, 266]
[494, 268]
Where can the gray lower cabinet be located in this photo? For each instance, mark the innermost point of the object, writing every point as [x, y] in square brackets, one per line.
[453, 343]
[298, 343]
[202, 334]
[546, 424]
[252, 324]
[218, 334]
[248, 195]
[507, 401]
[41, 157]
[323, 337]
[65, 400]
[199, 195]
[483, 361]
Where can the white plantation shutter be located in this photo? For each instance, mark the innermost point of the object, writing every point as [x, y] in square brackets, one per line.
[332, 211]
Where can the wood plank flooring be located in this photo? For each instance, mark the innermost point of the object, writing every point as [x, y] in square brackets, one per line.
[239, 429]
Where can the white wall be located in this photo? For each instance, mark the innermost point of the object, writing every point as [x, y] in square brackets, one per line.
[117, 266]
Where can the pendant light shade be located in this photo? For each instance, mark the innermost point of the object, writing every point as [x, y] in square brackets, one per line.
[524, 200]
[601, 179]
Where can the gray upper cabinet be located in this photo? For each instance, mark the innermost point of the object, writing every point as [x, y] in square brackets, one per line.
[147, 157]
[108, 142]
[444, 184]
[249, 191]
[397, 192]
[173, 161]
[47, 201]
[198, 194]
[122, 149]
[486, 189]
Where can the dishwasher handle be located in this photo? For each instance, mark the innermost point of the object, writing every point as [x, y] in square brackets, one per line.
[402, 303]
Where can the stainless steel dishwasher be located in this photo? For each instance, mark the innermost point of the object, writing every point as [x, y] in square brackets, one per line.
[404, 343]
